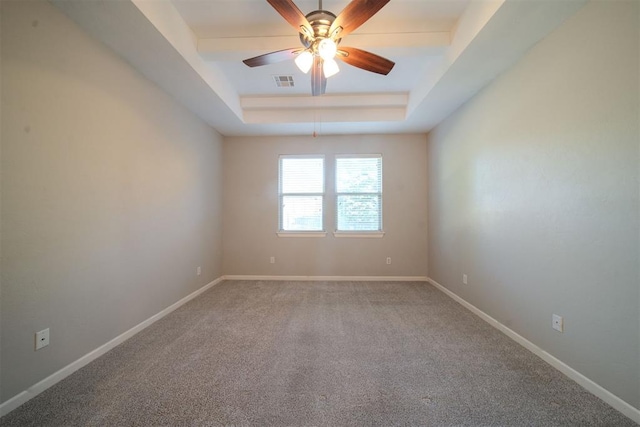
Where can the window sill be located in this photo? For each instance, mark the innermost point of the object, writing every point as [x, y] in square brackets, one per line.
[302, 234]
[359, 234]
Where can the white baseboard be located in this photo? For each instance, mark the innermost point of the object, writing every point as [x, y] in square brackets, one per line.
[58, 376]
[589, 385]
[585, 382]
[330, 278]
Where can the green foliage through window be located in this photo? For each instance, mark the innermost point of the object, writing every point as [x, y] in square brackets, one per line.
[359, 193]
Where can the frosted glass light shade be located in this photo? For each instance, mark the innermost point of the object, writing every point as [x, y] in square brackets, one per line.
[330, 67]
[327, 49]
[304, 61]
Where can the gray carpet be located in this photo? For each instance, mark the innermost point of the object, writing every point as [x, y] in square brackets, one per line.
[318, 353]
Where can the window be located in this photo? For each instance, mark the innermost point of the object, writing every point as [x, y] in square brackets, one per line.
[301, 193]
[359, 193]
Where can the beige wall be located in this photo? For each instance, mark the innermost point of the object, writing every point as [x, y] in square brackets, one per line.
[251, 209]
[534, 194]
[111, 195]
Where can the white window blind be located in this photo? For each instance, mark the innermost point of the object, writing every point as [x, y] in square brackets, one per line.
[301, 193]
[359, 193]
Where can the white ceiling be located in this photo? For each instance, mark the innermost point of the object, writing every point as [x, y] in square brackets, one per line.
[444, 50]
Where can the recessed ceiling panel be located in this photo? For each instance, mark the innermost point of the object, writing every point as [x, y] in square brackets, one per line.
[444, 52]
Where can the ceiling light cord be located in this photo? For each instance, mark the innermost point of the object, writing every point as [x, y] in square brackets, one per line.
[315, 112]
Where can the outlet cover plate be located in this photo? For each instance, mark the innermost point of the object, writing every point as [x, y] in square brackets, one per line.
[557, 323]
[42, 338]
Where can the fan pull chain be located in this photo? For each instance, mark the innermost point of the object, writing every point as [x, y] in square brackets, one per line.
[315, 121]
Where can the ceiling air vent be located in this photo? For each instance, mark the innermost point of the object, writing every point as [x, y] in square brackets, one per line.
[283, 81]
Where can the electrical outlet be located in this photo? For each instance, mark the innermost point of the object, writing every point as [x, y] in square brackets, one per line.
[272, 260]
[464, 279]
[388, 260]
[557, 323]
[199, 271]
[42, 339]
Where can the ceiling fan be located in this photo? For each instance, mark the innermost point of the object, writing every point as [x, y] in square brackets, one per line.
[321, 33]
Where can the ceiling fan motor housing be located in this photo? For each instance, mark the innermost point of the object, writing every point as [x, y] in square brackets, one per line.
[320, 21]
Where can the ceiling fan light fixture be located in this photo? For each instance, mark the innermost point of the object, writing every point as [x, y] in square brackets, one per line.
[320, 33]
[327, 49]
[330, 67]
[304, 61]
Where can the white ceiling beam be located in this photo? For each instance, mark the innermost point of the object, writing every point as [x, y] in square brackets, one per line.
[326, 101]
[238, 48]
[325, 115]
[389, 107]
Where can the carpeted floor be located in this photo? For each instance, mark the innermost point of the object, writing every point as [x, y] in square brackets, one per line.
[318, 353]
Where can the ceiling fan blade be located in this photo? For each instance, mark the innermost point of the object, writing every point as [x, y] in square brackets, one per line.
[365, 60]
[318, 80]
[291, 14]
[355, 14]
[273, 57]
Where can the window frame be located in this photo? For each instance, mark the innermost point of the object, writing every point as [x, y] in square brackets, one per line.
[301, 233]
[359, 233]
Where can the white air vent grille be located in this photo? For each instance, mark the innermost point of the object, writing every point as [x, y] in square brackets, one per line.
[284, 81]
